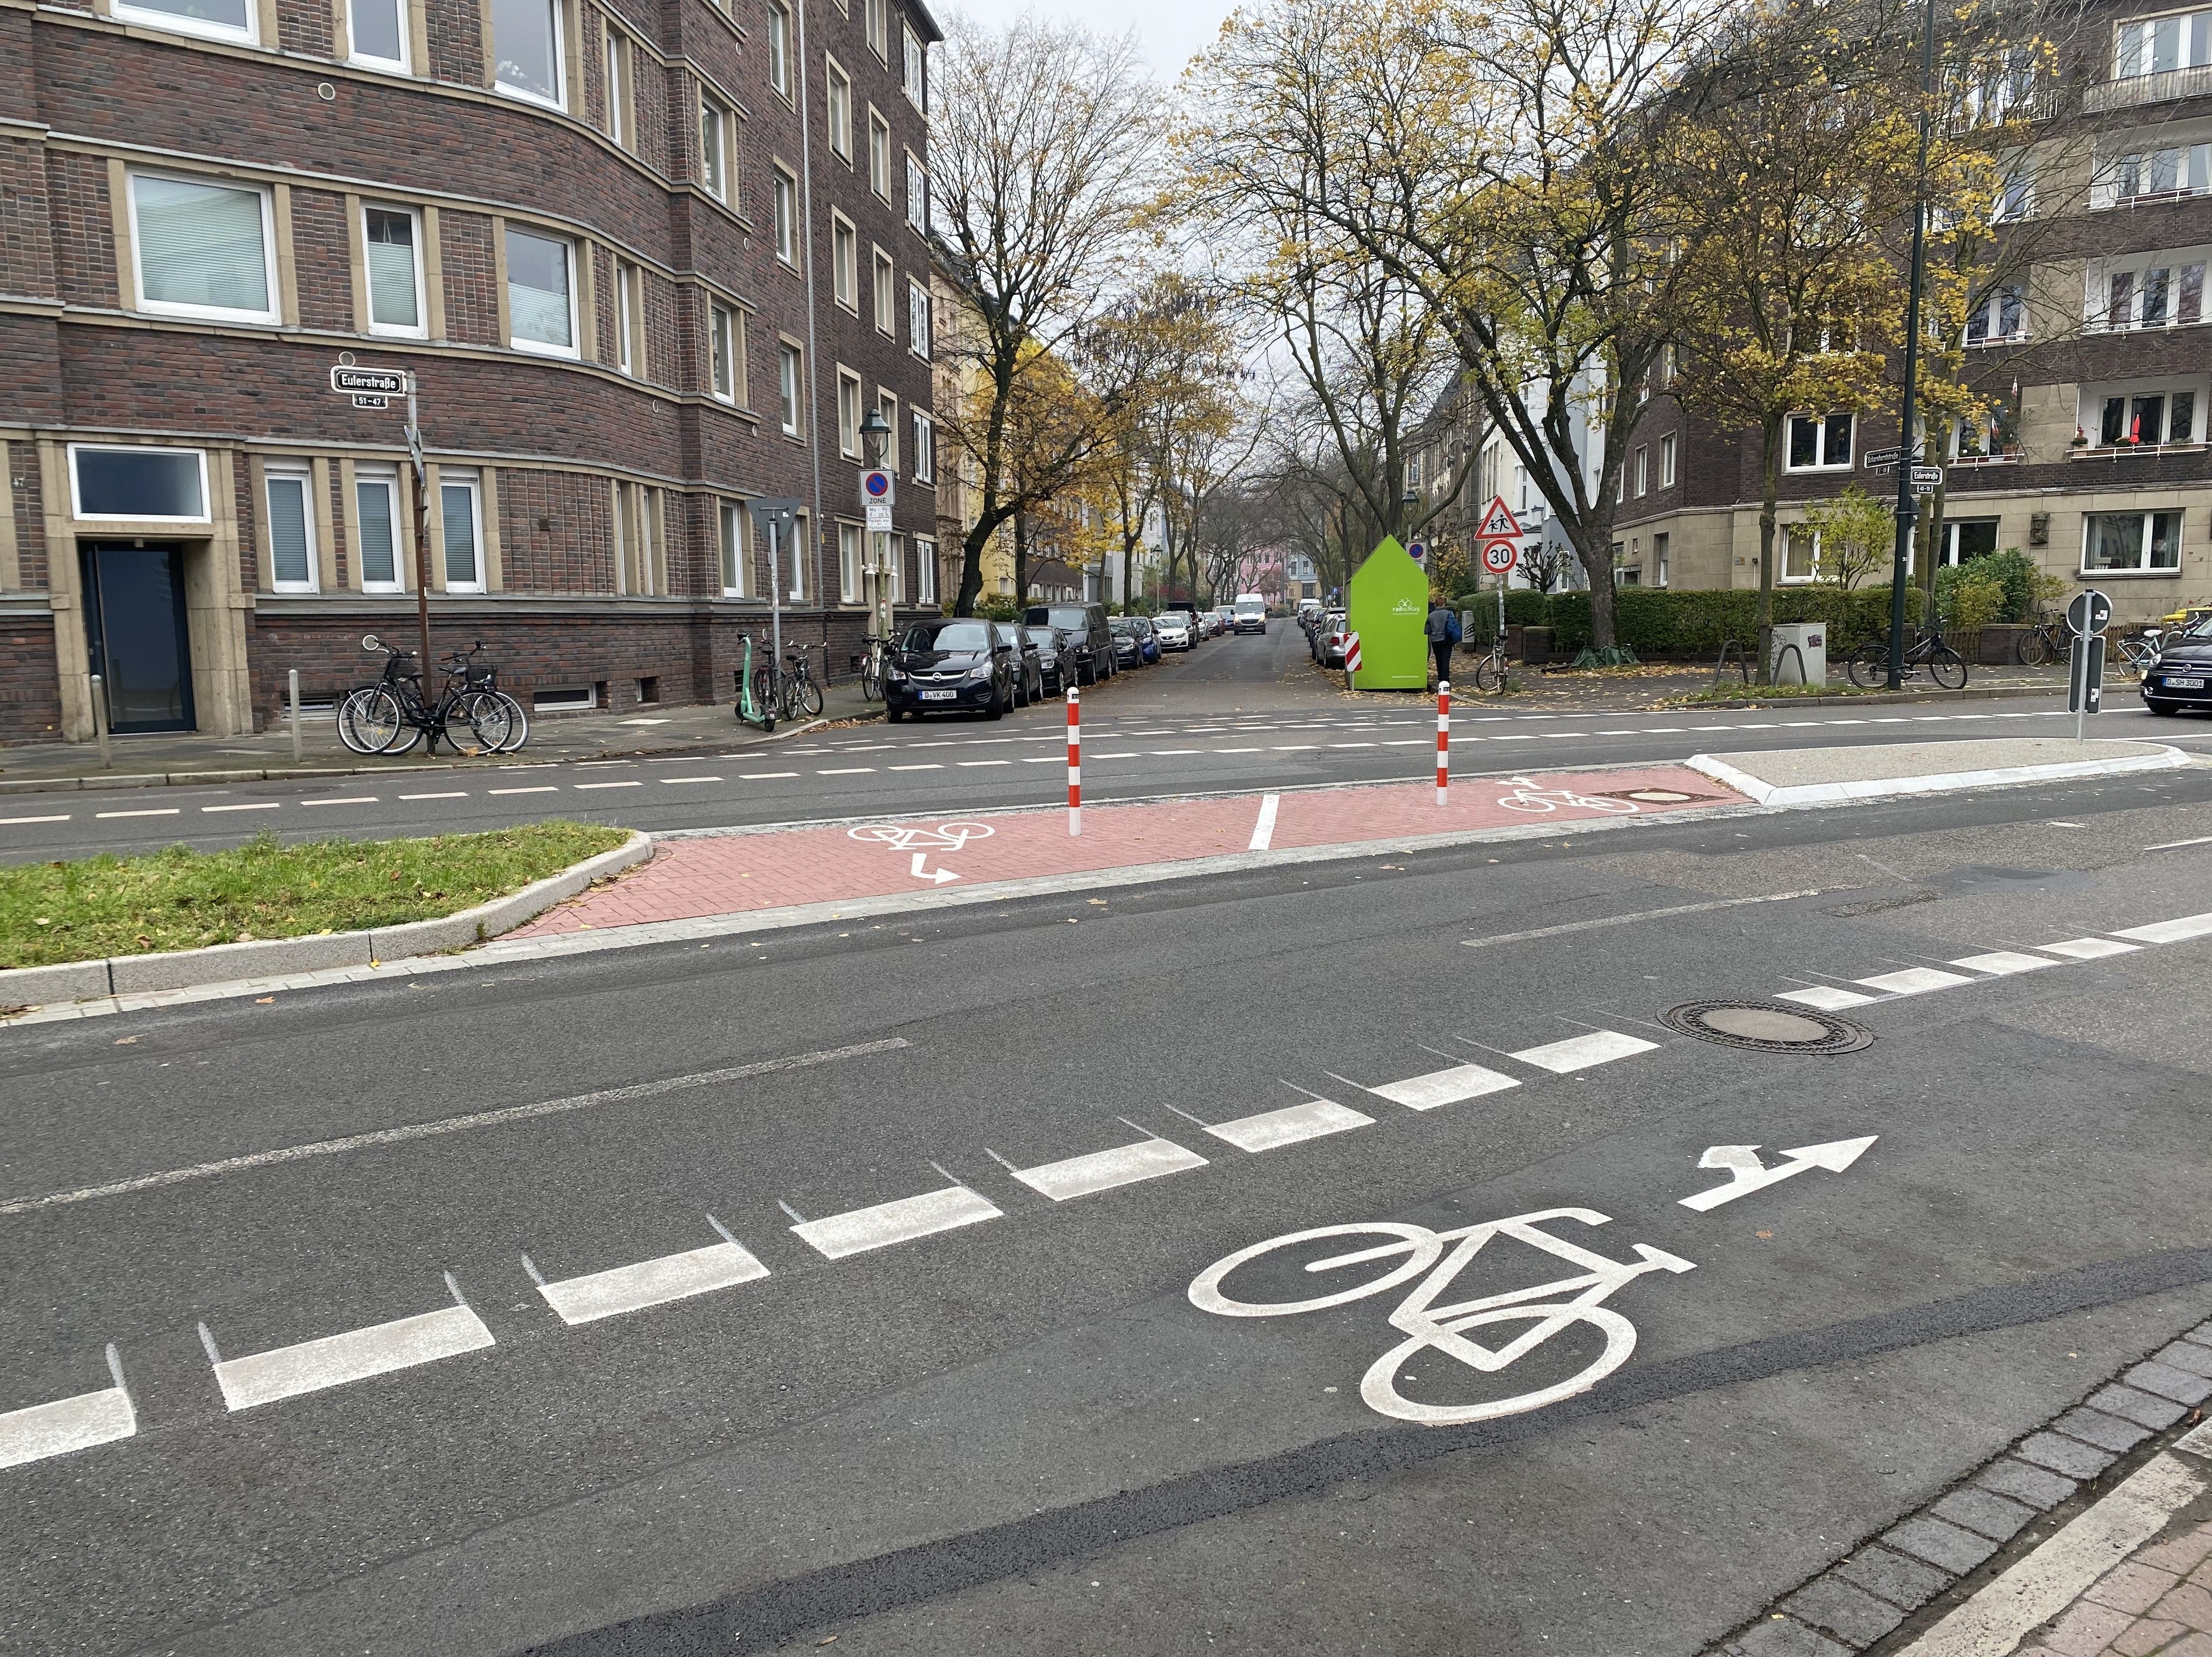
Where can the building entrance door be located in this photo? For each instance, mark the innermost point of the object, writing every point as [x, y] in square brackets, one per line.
[136, 635]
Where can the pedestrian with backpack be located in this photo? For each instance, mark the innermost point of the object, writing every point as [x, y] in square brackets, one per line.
[1442, 629]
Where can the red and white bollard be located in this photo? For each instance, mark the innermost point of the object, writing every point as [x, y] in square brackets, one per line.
[1074, 762]
[1443, 740]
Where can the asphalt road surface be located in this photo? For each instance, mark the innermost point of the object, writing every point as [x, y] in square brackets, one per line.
[1241, 712]
[661, 1374]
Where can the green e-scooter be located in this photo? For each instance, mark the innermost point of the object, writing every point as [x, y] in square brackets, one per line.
[753, 708]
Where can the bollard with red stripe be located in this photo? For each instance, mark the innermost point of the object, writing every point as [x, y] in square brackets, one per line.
[1074, 762]
[1443, 739]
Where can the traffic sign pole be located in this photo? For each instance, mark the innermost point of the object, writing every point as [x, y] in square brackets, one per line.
[422, 538]
[2087, 618]
[1908, 508]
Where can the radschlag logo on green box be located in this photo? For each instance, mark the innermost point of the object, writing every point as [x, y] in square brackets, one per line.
[1390, 609]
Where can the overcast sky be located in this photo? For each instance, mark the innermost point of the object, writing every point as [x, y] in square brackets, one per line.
[1170, 30]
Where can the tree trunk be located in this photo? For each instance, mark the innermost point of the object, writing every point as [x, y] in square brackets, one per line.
[971, 570]
[1021, 560]
[1770, 492]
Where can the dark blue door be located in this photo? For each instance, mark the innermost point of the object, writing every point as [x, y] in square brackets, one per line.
[134, 620]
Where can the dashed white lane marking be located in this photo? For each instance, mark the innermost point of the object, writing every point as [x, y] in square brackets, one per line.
[690, 779]
[1828, 997]
[1174, 751]
[652, 1283]
[1130, 754]
[1263, 826]
[285, 1372]
[1125, 1165]
[933, 766]
[852, 770]
[970, 765]
[2002, 963]
[162, 811]
[1440, 1088]
[1394, 742]
[68, 1424]
[2089, 949]
[63, 818]
[2178, 931]
[1912, 981]
[1352, 745]
[1042, 759]
[763, 777]
[451, 794]
[2167, 845]
[1293, 1124]
[543, 788]
[898, 1221]
[1296, 747]
[1236, 750]
[262, 805]
[632, 783]
[370, 799]
[1580, 1052]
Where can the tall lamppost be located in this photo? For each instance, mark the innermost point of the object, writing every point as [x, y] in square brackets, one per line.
[1908, 451]
[875, 572]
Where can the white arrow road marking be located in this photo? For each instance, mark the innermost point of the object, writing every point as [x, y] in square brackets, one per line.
[935, 877]
[1747, 1173]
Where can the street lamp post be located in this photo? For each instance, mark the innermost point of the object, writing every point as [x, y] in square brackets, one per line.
[1908, 451]
[875, 437]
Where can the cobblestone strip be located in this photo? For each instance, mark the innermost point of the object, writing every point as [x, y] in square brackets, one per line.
[2159, 1601]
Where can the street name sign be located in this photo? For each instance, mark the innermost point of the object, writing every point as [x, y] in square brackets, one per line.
[1500, 556]
[1881, 460]
[363, 400]
[1926, 480]
[370, 382]
[1498, 521]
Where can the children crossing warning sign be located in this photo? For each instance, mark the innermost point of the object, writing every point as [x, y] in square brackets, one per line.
[1498, 521]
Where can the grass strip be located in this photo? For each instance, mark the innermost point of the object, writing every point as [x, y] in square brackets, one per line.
[182, 898]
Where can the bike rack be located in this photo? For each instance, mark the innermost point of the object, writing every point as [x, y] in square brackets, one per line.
[1743, 663]
[1804, 676]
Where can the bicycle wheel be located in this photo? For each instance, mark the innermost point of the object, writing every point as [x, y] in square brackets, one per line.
[1537, 803]
[2034, 648]
[1946, 667]
[1419, 1245]
[809, 696]
[871, 680]
[1869, 667]
[348, 711]
[478, 723]
[370, 721]
[518, 722]
[1489, 675]
[1379, 1386]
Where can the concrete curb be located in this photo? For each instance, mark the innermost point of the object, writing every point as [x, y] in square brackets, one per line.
[1751, 699]
[229, 963]
[1824, 794]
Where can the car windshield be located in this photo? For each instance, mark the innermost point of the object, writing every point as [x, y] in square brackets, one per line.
[1045, 637]
[1123, 625]
[2200, 629]
[1071, 616]
[947, 635]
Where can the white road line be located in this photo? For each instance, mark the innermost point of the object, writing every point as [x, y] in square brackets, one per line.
[1394, 742]
[763, 777]
[1296, 747]
[163, 811]
[262, 805]
[68, 1424]
[285, 1372]
[1125, 1165]
[1291, 1125]
[456, 1124]
[1912, 981]
[1439, 1087]
[632, 784]
[1828, 997]
[2002, 963]
[1352, 745]
[352, 800]
[652, 1283]
[1043, 759]
[1602, 921]
[969, 764]
[690, 779]
[451, 794]
[898, 1221]
[2166, 845]
[847, 770]
[931, 766]
[543, 788]
[1580, 1052]
[2088, 949]
[2188, 926]
[1263, 826]
[63, 818]
[1131, 754]
[1162, 750]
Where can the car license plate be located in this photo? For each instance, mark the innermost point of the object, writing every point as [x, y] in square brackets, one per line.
[2196, 684]
[939, 695]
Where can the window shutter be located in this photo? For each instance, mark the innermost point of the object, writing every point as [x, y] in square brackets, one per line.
[373, 500]
[287, 530]
[201, 244]
[459, 504]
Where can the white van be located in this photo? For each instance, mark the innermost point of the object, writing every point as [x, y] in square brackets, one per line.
[1251, 613]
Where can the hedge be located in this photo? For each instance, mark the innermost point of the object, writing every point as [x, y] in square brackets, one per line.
[1656, 623]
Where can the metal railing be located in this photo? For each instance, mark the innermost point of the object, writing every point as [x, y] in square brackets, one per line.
[2154, 89]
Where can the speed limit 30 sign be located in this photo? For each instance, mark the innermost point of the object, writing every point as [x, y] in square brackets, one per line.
[1498, 556]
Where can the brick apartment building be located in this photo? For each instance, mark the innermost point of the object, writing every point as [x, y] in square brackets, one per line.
[649, 259]
[2097, 361]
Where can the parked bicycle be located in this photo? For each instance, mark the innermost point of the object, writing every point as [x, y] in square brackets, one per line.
[471, 714]
[1927, 656]
[798, 692]
[2137, 651]
[1490, 668]
[2048, 641]
[871, 667]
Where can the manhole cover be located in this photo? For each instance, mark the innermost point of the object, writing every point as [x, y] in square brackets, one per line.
[1766, 1027]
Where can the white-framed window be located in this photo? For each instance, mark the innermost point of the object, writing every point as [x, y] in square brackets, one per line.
[794, 558]
[376, 33]
[630, 319]
[887, 406]
[917, 195]
[1998, 315]
[2130, 540]
[1667, 461]
[925, 570]
[837, 109]
[291, 529]
[2146, 413]
[1801, 553]
[787, 373]
[203, 249]
[925, 448]
[714, 147]
[1643, 468]
[376, 530]
[736, 561]
[849, 414]
[1659, 558]
[886, 295]
[541, 293]
[2016, 195]
[879, 155]
[138, 486]
[722, 351]
[895, 560]
[621, 113]
[877, 20]
[917, 317]
[460, 515]
[2160, 174]
[2146, 290]
[1966, 538]
[2155, 46]
[786, 209]
[914, 68]
[218, 20]
[526, 52]
[844, 263]
[849, 563]
[1820, 442]
[779, 48]
[391, 243]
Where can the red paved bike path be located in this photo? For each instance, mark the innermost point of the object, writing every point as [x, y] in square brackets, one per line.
[723, 874]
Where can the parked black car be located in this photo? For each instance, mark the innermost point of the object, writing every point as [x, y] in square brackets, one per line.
[1128, 642]
[1029, 672]
[2182, 675]
[1055, 648]
[947, 664]
[1095, 654]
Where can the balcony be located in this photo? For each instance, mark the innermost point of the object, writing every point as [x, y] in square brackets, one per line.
[2139, 89]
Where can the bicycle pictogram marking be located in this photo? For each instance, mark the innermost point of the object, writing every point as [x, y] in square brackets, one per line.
[918, 837]
[1549, 1308]
[1528, 795]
